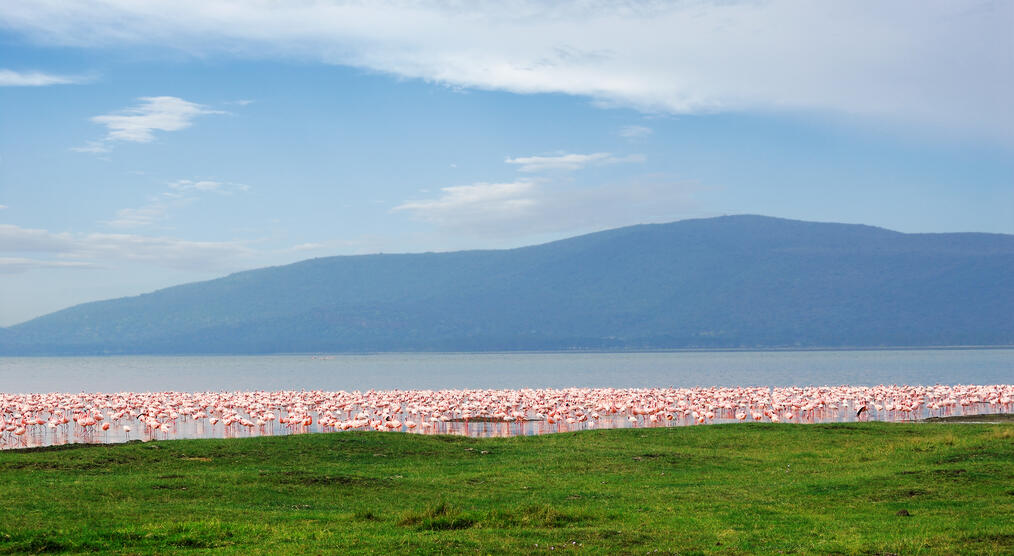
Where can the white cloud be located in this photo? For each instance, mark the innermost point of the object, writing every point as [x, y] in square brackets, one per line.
[154, 211]
[535, 207]
[932, 62]
[14, 265]
[208, 185]
[635, 131]
[538, 205]
[2, 207]
[68, 250]
[11, 78]
[164, 251]
[180, 193]
[363, 244]
[93, 147]
[139, 123]
[189, 185]
[569, 161]
[480, 201]
[15, 239]
[559, 162]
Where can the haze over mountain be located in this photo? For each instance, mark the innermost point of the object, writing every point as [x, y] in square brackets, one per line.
[736, 281]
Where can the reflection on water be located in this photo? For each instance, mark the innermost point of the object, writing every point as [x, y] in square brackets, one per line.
[484, 429]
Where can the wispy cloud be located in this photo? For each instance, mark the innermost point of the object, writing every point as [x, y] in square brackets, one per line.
[480, 201]
[533, 204]
[569, 162]
[67, 250]
[2, 207]
[635, 131]
[532, 207]
[208, 185]
[93, 147]
[15, 239]
[15, 265]
[138, 124]
[11, 78]
[933, 62]
[179, 194]
[164, 251]
[155, 211]
[190, 185]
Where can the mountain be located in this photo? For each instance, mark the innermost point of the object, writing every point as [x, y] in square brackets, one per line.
[735, 281]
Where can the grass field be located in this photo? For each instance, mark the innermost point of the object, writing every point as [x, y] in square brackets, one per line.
[870, 488]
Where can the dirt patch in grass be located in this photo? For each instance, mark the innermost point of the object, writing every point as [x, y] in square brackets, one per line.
[39, 543]
[983, 418]
[439, 517]
[899, 494]
[454, 438]
[950, 472]
[536, 515]
[312, 479]
[368, 515]
[443, 516]
[490, 420]
[991, 541]
[64, 464]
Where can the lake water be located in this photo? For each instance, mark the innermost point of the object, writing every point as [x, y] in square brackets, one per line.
[505, 370]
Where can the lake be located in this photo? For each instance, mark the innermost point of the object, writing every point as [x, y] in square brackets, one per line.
[506, 370]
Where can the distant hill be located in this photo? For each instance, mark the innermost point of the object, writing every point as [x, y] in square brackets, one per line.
[736, 281]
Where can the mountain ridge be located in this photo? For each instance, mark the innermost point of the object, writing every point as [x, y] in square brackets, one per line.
[732, 281]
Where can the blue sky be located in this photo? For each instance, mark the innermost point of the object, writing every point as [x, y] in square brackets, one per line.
[149, 144]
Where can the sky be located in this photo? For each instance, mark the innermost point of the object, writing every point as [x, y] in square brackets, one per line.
[147, 144]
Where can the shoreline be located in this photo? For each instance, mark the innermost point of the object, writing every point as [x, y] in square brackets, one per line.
[979, 419]
[575, 351]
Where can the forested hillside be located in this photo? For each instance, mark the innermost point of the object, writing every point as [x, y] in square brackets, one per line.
[738, 281]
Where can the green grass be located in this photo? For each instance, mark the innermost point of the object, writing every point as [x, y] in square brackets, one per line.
[870, 488]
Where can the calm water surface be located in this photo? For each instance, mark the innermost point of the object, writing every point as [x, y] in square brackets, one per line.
[505, 370]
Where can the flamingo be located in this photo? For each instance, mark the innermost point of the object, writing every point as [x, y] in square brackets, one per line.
[24, 417]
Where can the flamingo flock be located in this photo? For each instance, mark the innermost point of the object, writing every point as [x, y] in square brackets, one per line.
[57, 418]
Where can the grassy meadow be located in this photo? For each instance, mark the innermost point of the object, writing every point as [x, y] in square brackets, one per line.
[868, 488]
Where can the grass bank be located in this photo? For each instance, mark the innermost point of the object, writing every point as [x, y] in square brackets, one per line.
[869, 488]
